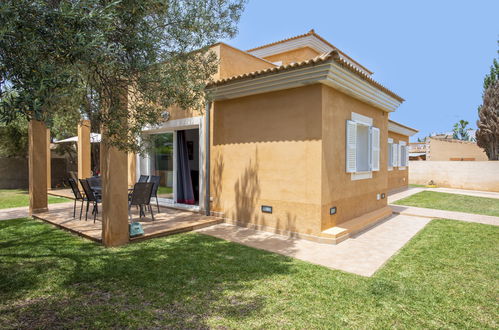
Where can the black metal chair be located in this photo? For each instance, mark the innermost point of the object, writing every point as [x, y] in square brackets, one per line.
[156, 180]
[141, 197]
[78, 196]
[91, 197]
[143, 178]
[95, 183]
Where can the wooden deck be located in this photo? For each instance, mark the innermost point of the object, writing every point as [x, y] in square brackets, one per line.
[167, 222]
[67, 193]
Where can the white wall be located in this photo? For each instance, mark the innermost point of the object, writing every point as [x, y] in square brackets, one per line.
[477, 175]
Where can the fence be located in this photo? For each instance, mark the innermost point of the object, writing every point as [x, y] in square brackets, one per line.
[14, 172]
[477, 175]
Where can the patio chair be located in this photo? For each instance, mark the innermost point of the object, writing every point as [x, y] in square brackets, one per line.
[143, 178]
[78, 196]
[141, 197]
[155, 179]
[91, 197]
[95, 182]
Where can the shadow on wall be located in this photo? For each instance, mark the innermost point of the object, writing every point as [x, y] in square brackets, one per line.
[218, 169]
[247, 192]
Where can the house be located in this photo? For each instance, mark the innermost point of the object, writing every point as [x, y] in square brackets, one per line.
[445, 148]
[398, 155]
[296, 140]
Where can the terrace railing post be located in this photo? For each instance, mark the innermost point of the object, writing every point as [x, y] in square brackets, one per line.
[37, 164]
[114, 173]
[114, 166]
[49, 162]
[84, 155]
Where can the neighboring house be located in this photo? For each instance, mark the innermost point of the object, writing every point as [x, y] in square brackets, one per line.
[298, 143]
[445, 149]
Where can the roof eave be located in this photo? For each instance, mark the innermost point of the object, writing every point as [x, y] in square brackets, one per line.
[328, 72]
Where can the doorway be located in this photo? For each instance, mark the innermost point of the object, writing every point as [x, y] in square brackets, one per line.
[175, 158]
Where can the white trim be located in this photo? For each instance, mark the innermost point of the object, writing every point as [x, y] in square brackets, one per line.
[310, 41]
[329, 73]
[177, 124]
[361, 175]
[172, 126]
[395, 128]
[174, 186]
[361, 119]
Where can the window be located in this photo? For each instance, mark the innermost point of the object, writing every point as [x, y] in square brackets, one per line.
[362, 146]
[403, 155]
[390, 154]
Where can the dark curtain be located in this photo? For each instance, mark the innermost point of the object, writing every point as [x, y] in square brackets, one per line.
[185, 192]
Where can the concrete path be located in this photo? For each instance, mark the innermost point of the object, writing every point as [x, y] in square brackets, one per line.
[411, 191]
[362, 254]
[434, 214]
[476, 193]
[403, 194]
[22, 212]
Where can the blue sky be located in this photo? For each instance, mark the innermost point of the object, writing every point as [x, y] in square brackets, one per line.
[432, 53]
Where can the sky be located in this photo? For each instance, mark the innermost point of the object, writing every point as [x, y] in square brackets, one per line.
[434, 54]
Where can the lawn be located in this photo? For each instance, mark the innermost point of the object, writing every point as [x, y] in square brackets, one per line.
[446, 277]
[164, 190]
[17, 198]
[452, 202]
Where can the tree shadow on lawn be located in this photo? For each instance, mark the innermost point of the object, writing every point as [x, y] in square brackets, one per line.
[49, 278]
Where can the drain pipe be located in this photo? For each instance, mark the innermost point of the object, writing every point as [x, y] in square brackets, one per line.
[207, 157]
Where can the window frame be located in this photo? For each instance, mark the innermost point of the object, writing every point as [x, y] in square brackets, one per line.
[361, 120]
[389, 161]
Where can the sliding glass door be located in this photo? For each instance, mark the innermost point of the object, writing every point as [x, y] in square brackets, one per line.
[161, 163]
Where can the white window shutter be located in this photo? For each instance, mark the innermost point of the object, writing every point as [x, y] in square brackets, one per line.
[403, 154]
[406, 156]
[399, 158]
[395, 147]
[351, 147]
[375, 148]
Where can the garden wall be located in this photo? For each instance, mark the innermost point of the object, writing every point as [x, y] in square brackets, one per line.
[477, 175]
[14, 172]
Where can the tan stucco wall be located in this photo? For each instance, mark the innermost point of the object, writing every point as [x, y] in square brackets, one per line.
[232, 62]
[448, 150]
[397, 177]
[296, 55]
[479, 175]
[351, 198]
[266, 150]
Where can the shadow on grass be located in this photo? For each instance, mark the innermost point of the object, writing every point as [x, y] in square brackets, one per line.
[180, 280]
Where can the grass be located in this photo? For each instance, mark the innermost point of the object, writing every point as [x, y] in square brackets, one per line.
[452, 202]
[164, 190]
[445, 277]
[17, 198]
[417, 185]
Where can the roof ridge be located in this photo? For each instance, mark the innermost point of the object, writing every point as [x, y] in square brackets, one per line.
[311, 33]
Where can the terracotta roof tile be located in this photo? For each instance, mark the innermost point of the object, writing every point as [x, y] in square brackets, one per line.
[310, 33]
[331, 56]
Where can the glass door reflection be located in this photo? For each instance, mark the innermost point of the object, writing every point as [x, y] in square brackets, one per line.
[162, 163]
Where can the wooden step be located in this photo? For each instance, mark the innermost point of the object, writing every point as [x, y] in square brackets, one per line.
[355, 225]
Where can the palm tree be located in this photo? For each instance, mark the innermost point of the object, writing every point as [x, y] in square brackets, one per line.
[461, 131]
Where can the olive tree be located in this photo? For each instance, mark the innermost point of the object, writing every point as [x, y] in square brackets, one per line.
[120, 63]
